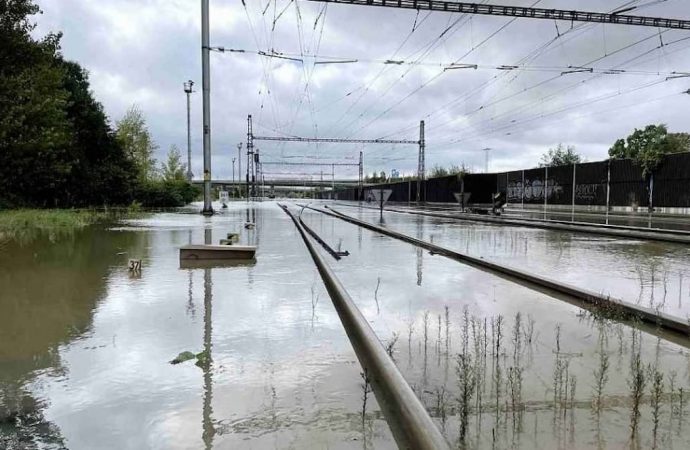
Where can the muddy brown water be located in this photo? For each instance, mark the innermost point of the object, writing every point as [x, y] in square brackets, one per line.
[85, 345]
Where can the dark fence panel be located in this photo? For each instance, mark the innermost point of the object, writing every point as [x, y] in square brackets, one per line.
[502, 182]
[628, 186]
[559, 188]
[590, 183]
[515, 189]
[481, 186]
[672, 182]
[534, 186]
[441, 189]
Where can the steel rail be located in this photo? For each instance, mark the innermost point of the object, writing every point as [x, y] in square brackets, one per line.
[605, 302]
[512, 216]
[409, 421]
[335, 254]
[673, 236]
[521, 11]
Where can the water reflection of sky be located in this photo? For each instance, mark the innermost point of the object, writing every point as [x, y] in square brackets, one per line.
[650, 274]
[283, 373]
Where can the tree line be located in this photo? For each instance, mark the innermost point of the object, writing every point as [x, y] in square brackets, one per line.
[57, 146]
[646, 147]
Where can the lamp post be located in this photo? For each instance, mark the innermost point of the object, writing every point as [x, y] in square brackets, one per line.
[233, 172]
[188, 85]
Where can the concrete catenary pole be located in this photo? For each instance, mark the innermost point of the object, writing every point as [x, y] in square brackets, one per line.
[206, 98]
[421, 164]
[546, 189]
[188, 85]
[572, 211]
[361, 175]
[608, 189]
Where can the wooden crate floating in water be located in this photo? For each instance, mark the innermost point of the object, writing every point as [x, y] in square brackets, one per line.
[217, 252]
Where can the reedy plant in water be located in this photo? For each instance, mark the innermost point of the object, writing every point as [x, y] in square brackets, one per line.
[657, 391]
[601, 377]
[636, 383]
[466, 384]
[517, 339]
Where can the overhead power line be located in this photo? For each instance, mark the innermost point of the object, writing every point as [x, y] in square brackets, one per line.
[349, 141]
[522, 11]
[562, 70]
[282, 163]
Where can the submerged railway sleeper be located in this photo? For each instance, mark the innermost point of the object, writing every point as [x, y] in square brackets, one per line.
[675, 236]
[606, 303]
[409, 421]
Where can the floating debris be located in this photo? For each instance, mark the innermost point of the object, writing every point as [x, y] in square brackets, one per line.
[182, 357]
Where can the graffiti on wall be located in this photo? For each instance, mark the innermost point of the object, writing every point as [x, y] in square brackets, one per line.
[586, 192]
[533, 190]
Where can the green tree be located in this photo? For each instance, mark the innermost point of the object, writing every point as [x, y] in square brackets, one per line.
[647, 146]
[560, 156]
[102, 173]
[134, 136]
[34, 129]
[438, 171]
[173, 169]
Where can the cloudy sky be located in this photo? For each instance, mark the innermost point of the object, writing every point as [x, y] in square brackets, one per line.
[141, 51]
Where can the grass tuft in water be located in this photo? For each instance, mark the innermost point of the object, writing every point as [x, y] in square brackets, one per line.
[27, 223]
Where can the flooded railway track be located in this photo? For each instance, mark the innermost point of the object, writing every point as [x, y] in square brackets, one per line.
[661, 324]
[409, 421]
[622, 231]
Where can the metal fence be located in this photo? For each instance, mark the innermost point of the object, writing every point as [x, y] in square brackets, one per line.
[610, 183]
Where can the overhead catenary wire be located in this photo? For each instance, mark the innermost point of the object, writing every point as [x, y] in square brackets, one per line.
[475, 91]
[566, 36]
[311, 58]
[566, 89]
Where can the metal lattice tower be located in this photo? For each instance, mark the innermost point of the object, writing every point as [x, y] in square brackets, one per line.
[420, 143]
[251, 191]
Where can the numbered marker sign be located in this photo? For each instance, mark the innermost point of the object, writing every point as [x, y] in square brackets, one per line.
[134, 265]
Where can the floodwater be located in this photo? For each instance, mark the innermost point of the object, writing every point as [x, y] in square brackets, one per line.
[640, 220]
[85, 345]
[647, 273]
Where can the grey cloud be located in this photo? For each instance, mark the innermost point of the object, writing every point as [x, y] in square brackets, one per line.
[141, 52]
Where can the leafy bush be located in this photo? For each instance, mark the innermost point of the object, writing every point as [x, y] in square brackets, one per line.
[166, 194]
